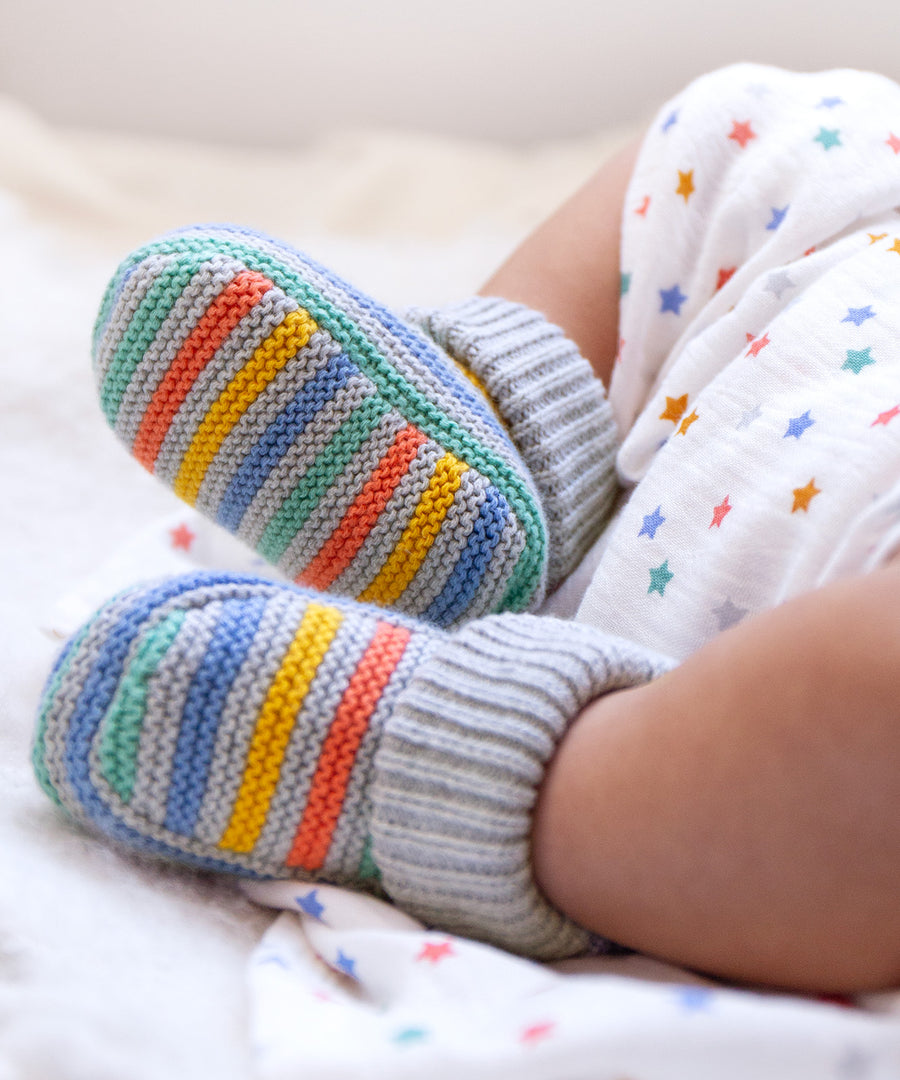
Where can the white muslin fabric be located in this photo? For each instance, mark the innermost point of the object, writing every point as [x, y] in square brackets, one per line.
[758, 378]
[344, 987]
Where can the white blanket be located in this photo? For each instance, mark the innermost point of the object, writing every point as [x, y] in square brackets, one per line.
[113, 967]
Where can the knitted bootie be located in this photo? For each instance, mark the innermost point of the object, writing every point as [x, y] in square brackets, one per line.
[344, 445]
[246, 726]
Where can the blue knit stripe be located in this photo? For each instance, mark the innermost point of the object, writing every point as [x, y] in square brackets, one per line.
[278, 438]
[225, 654]
[472, 564]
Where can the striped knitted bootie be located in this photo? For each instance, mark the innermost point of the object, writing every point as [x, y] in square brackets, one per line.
[245, 726]
[346, 446]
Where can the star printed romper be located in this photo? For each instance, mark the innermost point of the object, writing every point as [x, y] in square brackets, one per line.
[758, 378]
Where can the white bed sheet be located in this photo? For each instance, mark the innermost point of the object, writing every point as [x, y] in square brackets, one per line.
[114, 967]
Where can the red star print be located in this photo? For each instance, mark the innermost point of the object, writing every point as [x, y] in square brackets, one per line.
[725, 275]
[758, 344]
[809, 251]
[893, 142]
[536, 1032]
[619, 352]
[435, 952]
[719, 513]
[886, 417]
[742, 133]
[644, 207]
[182, 537]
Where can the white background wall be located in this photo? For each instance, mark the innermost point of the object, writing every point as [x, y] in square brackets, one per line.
[278, 71]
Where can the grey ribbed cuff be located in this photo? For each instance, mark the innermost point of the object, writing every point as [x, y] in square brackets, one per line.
[553, 406]
[460, 763]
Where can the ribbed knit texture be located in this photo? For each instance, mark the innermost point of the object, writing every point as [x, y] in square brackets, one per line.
[553, 406]
[335, 439]
[245, 726]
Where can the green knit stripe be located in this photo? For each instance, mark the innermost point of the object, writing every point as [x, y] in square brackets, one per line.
[124, 721]
[328, 466]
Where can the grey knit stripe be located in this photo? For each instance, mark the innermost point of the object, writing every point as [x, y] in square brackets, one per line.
[490, 593]
[448, 546]
[267, 407]
[237, 723]
[190, 307]
[385, 534]
[66, 698]
[304, 747]
[129, 300]
[337, 500]
[352, 832]
[289, 472]
[233, 355]
[554, 409]
[457, 773]
[166, 696]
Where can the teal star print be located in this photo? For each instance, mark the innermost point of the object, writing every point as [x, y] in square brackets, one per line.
[660, 576]
[624, 283]
[857, 359]
[409, 1036]
[829, 137]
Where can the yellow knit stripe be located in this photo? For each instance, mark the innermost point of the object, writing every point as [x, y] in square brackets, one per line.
[275, 723]
[285, 341]
[419, 535]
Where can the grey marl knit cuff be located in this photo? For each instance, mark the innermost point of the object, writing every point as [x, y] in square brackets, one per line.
[461, 759]
[553, 406]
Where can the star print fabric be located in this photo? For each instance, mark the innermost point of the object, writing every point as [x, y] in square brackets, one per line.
[758, 377]
[343, 986]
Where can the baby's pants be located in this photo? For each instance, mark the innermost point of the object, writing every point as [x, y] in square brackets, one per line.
[758, 381]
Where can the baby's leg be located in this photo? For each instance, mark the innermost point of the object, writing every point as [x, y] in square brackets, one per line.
[568, 269]
[739, 815]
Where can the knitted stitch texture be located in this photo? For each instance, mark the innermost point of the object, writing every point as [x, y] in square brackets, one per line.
[553, 406]
[245, 726]
[342, 444]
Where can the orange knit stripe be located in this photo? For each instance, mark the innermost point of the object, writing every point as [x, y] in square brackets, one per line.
[231, 305]
[341, 547]
[338, 754]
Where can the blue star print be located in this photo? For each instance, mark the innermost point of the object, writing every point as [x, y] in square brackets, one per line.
[830, 102]
[798, 424]
[671, 120]
[694, 998]
[310, 905]
[777, 217]
[345, 964]
[858, 315]
[651, 523]
[672, 299]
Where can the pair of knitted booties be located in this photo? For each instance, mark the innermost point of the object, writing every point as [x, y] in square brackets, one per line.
[380, 723]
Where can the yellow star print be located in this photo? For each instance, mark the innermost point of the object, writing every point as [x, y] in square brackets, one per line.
[674, 409]
[875, 237]
[895, 246]
[687, 421]
[804, 496]
[685, 184]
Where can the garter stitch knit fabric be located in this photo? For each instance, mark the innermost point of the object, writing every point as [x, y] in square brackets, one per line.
[245, 726]
[341, 443]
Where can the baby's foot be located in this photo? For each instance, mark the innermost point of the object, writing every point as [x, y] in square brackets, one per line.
[344, 445]
[244, 726]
